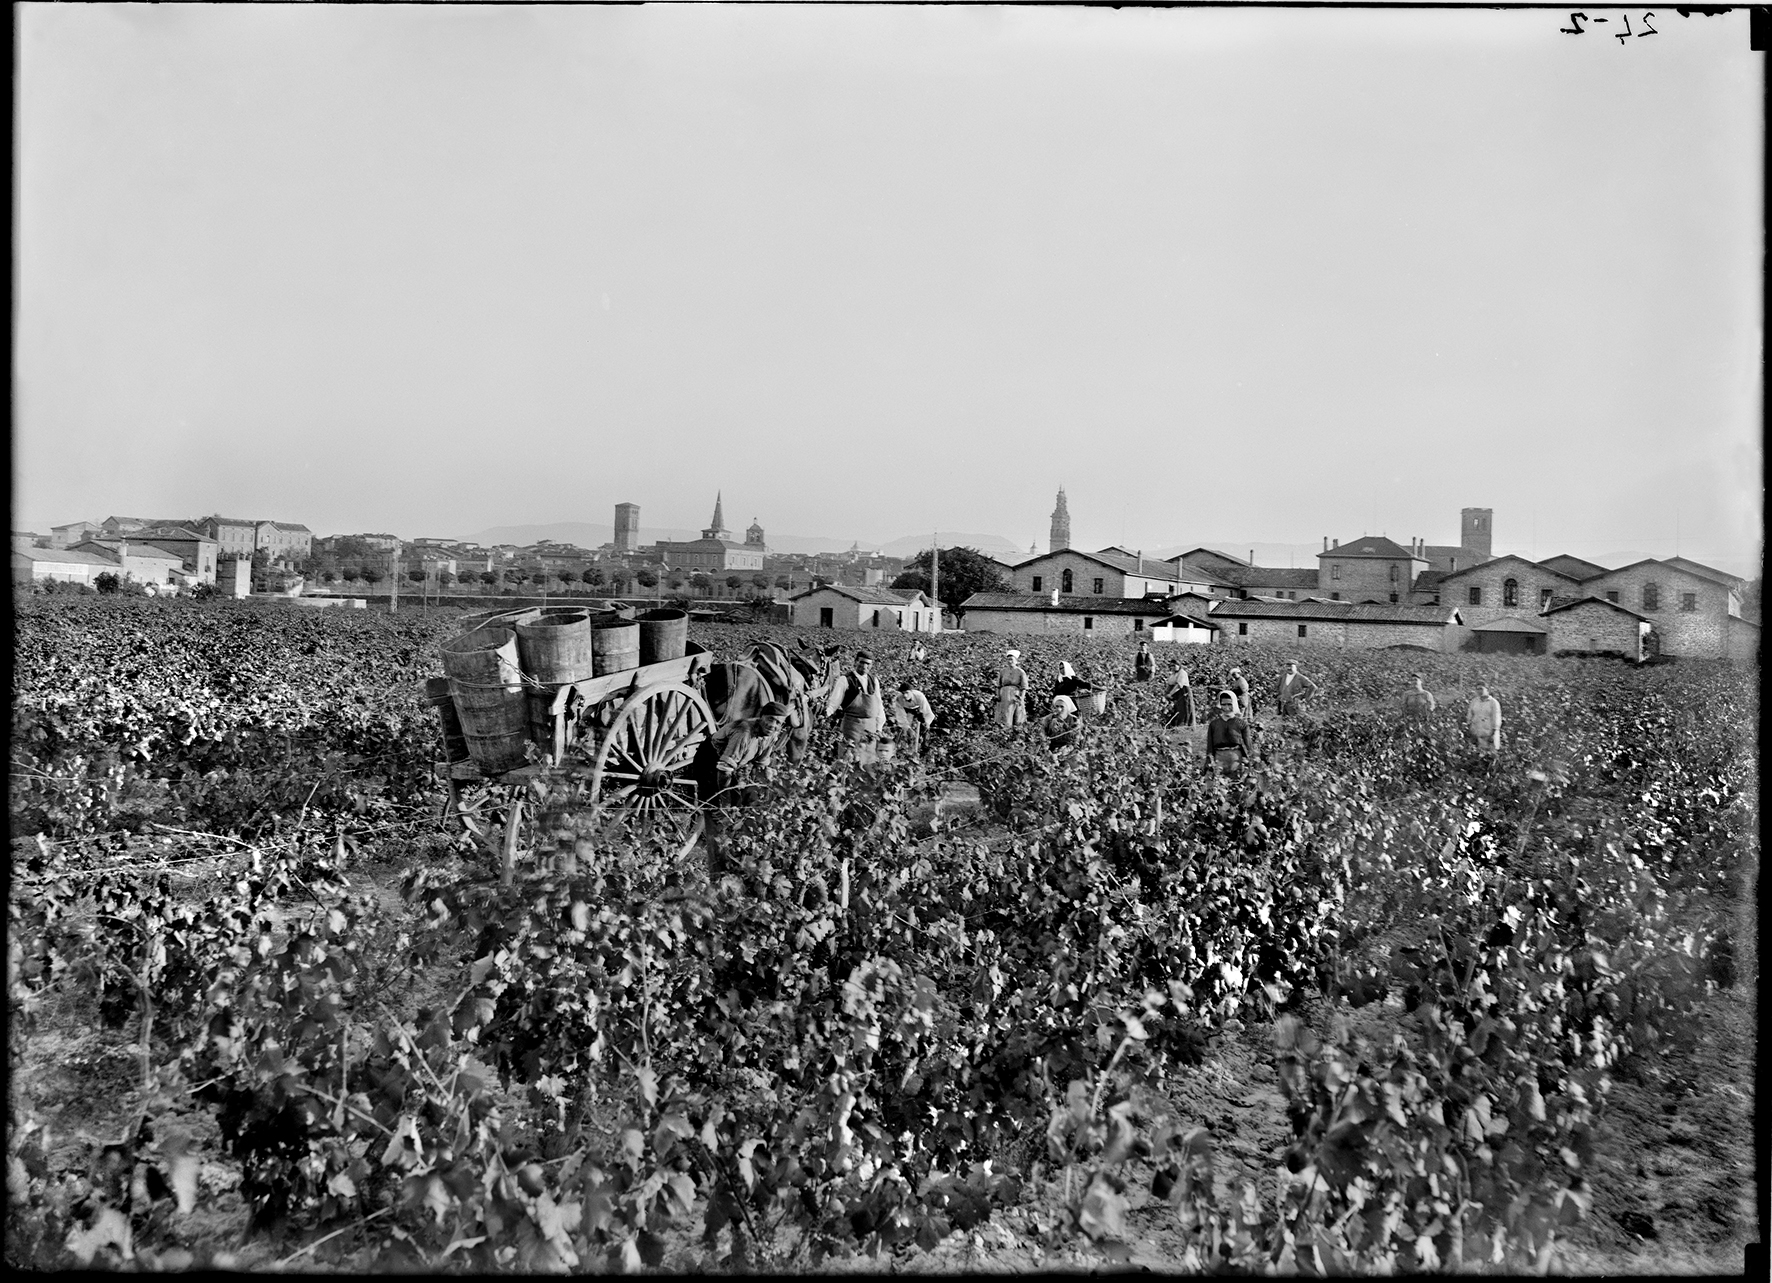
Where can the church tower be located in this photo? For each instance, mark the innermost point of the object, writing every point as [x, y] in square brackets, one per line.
[716, 529]
[1476, 530]
[1060, 536]
[753, 537]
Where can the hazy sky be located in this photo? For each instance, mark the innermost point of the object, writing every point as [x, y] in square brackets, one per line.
[1245, 274]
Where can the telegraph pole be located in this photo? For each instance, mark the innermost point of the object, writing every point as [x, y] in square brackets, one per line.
[394, 590]
[935, 574]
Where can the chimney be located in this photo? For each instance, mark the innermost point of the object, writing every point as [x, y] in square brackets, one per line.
[1141, 561]
[1252, 556]
[1325, 543]
[1337, 543]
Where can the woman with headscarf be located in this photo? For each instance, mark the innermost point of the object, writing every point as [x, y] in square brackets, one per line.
[1068, 683]
[1227, 736]
[1240, 689]
[1181, 701]
[1061, 725]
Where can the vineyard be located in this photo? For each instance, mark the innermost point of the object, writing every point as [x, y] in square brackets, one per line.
[1375, 1003]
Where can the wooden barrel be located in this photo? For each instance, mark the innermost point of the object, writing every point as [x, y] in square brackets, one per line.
[455, 744]
[663, 635]
[486, 685]
[555, 650]
[615, 648]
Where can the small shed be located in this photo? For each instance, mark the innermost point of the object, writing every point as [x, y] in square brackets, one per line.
[1185, 630]
[1510, 635]
[860, 606]
[1595, 626]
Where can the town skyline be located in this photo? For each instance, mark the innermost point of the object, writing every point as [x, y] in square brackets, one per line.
[1228, 276]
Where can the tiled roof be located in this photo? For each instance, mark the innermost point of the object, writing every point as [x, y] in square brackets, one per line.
[1273, 577]
[1071, 605]
[1194, 553]
[1496, 561]
[1703, 571]
[1574, 567]
[1428, 579]
[169, 532]
[1153, 569]
[67, 556]
[1352, 612]
[1370, 546]
[1509, 624]
[868, 596]
[1572, 602]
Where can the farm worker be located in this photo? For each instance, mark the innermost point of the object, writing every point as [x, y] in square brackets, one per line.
[912, 715]
[1068, 683]
[1061, 725]
[857, 695]
[721, 764]
[1418, 703]
[1294, 687]
[919, 653]
[1143, 664]
[1012, 689]
[1227, 735]
[1181, 701]
[1482, 721]
[1240, 688]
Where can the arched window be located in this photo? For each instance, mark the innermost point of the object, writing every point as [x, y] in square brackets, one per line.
[1064, 582]
[1510, 592]
[1651, 597]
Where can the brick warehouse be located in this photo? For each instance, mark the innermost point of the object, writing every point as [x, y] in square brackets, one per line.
[1689, 609]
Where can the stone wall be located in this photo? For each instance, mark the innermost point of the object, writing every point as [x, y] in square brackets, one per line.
[1057, 623]
[1363, 578]
[1593, 628]
[1702, 633]
[1340, 634]
[1490, 580]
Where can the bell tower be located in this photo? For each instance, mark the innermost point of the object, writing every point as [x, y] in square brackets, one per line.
[1060, 535]
[1476, 531]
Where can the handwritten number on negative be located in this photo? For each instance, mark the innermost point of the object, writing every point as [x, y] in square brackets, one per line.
[1576, 19]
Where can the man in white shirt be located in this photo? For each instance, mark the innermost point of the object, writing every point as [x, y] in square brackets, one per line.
[911, 715]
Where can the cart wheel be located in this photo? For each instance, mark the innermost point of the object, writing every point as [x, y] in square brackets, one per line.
[640, 777]
[492, 815]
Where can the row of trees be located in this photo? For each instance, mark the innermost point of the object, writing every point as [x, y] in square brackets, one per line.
[619, 580]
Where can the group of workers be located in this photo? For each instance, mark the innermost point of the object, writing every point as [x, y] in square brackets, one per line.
[876, 721]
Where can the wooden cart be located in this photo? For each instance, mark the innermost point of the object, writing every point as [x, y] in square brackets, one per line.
[631, 736]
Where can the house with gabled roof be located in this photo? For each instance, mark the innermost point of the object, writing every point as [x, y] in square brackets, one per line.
[1372, 568]
[856, 606]
[1107, 573]
[35, 565]
[1505, 587]
[1593, 625]
[1695, 609]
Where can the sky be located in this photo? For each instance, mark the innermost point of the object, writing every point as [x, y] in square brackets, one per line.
[1236, 274]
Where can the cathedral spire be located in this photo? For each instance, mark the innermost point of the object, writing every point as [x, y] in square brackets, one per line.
[716, 529]
[1060, 535]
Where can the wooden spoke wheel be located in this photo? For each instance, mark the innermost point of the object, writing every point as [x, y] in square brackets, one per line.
[640, 777]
